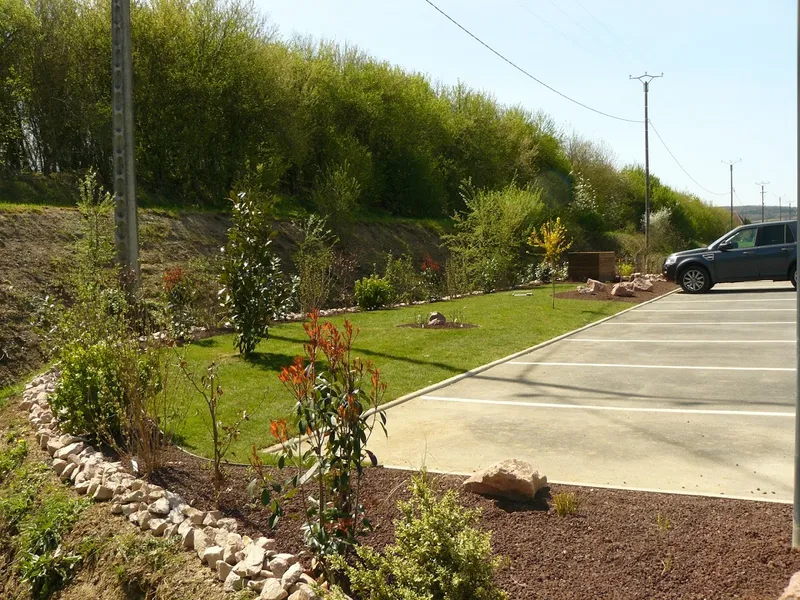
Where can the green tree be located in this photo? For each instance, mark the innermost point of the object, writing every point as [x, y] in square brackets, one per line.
[552, 238]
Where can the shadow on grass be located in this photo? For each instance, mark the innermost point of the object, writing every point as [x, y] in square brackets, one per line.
[269, 361]
[450, 368]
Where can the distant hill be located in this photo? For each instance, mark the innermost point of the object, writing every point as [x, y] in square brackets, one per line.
[771, 213]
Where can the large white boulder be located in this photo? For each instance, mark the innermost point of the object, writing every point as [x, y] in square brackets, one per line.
[513, 479]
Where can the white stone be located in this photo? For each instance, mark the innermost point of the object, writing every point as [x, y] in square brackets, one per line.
[233, 582]
[201, 542]
[292, 575]
[212, 555]
[73, 448]
[278, 566]
[233, 544]
[160, 507]
[273, 590]
[157, 526]
[103, 493]
[223, 570]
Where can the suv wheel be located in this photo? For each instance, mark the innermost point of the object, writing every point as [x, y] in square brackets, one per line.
[695, 280]
[793, 276]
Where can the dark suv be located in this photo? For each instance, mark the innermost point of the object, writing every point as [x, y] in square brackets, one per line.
[748, 253]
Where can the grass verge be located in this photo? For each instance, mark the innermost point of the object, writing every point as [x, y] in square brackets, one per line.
[409, 358]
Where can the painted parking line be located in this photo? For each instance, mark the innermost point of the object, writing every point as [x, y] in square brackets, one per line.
[623, 366]
[637, 409]
[657, 341]
[727, 301]
[714, 310]
[716, 323]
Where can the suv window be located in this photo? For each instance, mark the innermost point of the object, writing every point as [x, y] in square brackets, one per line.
[746, 238]
[789, 235]
[771, 235]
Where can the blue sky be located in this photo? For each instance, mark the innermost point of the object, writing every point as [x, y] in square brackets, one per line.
[729, 86]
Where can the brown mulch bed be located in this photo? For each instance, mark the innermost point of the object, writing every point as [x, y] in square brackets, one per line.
[613, 548]
[659, 288]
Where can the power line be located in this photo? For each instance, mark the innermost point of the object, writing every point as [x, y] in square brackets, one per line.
[603, 25]
[681, 166]
[523, 71]
[589, 33]
[554, 28]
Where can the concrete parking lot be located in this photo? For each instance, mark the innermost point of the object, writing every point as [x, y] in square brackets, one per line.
[690, 394]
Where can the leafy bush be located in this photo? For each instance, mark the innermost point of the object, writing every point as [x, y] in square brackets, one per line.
[334, 393]
[566, 503]
[491, 234]
[552, 238]
[314, 262]
[403, 279]
[88, 396]
[432, 281]
[255, 290]
[625, 269]
[438, 553]
[336, 193]
[179, 296]
[545, 272]
[372, 293]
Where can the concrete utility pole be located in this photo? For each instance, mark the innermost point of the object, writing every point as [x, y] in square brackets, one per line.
[125, 216]
[646, 79]
[780, 209]
[796, 499]
[731, 163]
[762, 184]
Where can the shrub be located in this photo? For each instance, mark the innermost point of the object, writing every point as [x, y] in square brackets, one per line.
[552, 238]
[438, 553]
[336, 193]
[545, 272]
[222, 436]
[403, 279]
[179, 296]
[431, 279]
[333, 392]
[458, 281]
[491, 235]
[255, 290]
[314, 262]
[625, 269]
[372, 293]
[566, 503]
[88, 396]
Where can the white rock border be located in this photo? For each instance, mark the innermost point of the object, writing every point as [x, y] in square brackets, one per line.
[239, 561]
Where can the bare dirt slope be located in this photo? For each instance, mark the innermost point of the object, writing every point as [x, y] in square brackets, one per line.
[36, 249]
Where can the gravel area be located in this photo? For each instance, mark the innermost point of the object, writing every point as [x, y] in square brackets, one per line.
[620, 544]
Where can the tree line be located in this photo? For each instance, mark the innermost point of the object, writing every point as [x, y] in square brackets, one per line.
[223, 103]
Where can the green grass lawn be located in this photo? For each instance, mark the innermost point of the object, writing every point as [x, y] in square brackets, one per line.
[410, 359]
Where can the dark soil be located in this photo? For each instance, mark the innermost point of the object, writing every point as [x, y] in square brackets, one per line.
[37, 249]
[659, 288]
[447, 325]
[613, 548]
